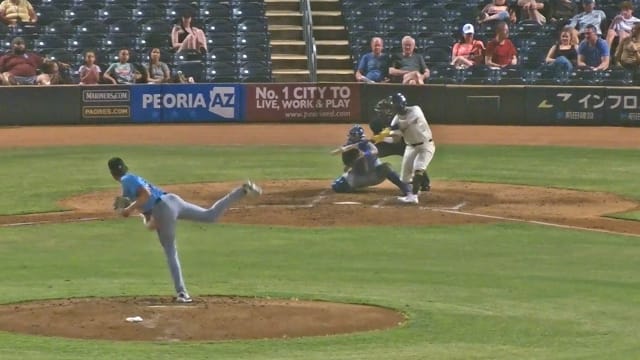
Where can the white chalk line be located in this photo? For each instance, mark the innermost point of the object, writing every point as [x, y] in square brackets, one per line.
[29, 223]
[534, 222]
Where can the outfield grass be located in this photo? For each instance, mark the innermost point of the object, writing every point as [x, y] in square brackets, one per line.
[500, 291]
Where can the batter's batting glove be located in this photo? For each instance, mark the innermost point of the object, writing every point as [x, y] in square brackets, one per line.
[378, 138]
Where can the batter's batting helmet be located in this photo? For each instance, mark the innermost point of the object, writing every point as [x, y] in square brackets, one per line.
[399, 102]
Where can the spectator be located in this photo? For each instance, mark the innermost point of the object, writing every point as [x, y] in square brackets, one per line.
[500, 50]
[20, 67]
[54, 73]
[185, 36]
[89, 72]
[622, 24]
[563, 55]
[496, 11]
[589, 16]
[593, 51]
[15, 12]
[408, 65]
[530, 10]
[468, 51]
[373, 65]
[157, 71]
[561, 11]
[628, 52]
[122, 72]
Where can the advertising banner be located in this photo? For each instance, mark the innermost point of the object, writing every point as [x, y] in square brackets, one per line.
[187, 103]
[569, 105]
[106, 103]
[303, 102]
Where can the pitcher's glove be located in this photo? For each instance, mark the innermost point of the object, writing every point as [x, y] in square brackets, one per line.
[120, 203]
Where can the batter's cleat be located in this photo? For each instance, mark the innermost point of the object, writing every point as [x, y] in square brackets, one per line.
[183, 298]
[251, 188]
[409, 199]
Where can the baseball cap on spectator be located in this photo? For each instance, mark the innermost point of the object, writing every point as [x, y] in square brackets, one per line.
[17, 40]
[467, 29]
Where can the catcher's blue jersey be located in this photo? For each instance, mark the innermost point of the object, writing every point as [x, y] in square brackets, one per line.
[369, 161]
[130, 185]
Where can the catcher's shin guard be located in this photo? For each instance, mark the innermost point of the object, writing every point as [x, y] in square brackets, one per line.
[341, 185]
[392, 176]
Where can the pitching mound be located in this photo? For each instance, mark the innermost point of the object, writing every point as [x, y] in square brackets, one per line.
[208, 318]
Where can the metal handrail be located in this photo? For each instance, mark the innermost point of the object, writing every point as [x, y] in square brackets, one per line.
[309, 40]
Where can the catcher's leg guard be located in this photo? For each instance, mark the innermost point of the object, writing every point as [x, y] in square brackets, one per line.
[386, 171]
[340, 185]
[418, 178]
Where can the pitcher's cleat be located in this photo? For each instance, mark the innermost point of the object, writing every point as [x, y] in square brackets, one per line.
[183, 298]
[251, 188]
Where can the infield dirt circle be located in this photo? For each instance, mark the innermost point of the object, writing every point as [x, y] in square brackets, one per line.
[303, 203]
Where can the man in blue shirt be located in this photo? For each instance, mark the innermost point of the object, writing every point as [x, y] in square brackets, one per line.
[373, 66]
[162, 210]
[593, 52]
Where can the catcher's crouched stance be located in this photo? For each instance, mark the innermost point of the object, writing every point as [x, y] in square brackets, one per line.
[362, 167]
[161, 210]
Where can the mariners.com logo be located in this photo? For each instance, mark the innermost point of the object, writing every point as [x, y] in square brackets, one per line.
[219, 101]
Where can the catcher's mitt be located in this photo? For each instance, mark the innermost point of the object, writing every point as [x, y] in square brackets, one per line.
[121, 202]
[385, 107]
[349, 157]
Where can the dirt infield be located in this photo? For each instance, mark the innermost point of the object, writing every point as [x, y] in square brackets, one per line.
[301, 203]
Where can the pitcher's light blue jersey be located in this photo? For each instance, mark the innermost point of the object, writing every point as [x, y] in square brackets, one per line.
[130, 185]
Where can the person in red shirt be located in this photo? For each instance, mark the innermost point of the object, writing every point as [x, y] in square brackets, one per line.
[20, 67]
[500, 50]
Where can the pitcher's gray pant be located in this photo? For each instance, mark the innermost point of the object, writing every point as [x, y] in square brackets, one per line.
[172, 207]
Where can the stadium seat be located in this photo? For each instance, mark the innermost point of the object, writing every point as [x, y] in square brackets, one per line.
[47, 14]
[215, 40]
[59, 27]
[617, 77]
[248, 10]
[532, 58]
[60, 4]
[216, 54]
[118, 41]
[255, 72]
[80, 13]
[509, 76]
[61, 55]
[127, 27]
[252, 25]
[79, 43]
[93, 27]
[585, 77]
[194, 69]
[219, 26]
[123, 3]
[94, 4]
[49, 42]
[114, 13]
[216, 11]
[188, 55]
[256, 40]
[147, 12]
[437, 55]
[252, 54]
[221, 72]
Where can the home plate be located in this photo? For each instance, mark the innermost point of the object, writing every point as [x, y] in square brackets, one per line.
[347, 203]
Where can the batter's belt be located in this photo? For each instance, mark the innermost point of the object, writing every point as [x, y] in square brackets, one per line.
[420, 143]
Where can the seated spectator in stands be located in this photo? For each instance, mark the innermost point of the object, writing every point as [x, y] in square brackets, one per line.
[622, 24]
[157, 71]
[15, 12]
[628, 52]
[561, 11]
[530, 10]
[468, 51]
[409, 66]
[563, 55]
[589, 16]
[498, 10]
[593, 51]
[122, 72]
[500, 50]
[54, 73]
[373, 66]
[89, 71]
[20, 67]
[186, 36]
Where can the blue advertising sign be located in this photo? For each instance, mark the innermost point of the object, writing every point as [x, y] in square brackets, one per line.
[187, 103]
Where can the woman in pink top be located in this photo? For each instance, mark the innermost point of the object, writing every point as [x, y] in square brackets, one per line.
[468, 51]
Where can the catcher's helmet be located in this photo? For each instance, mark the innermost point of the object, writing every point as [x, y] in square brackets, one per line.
[399, 102]
[356, 133]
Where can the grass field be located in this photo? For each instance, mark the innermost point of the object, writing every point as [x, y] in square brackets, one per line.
[501, 291]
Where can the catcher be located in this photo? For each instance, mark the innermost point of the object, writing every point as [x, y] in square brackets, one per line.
[362, 167]
[386, 110]
[161, 211]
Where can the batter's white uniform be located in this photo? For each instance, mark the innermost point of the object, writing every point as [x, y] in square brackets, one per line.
[413, 126]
